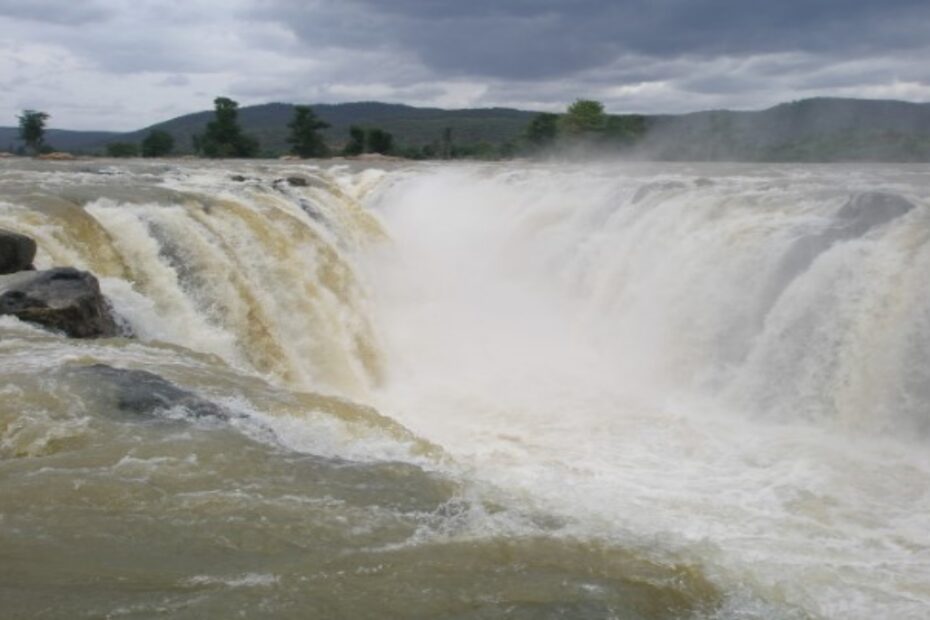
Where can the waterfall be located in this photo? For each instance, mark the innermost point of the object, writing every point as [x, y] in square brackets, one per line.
[613, 390]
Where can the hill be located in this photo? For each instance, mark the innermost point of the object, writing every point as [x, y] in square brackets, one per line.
[811, 130]
[410, 125]
[60, 139]
[823, 129]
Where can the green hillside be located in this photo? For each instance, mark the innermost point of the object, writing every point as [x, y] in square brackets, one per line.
[410, 125]
[814, 130]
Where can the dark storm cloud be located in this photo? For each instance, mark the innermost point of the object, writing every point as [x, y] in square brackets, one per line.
[162, 57]
[532, 39]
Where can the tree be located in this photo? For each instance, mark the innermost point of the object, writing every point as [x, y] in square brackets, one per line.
[543, 129]
[157, 144]
[122, 149]
[372, 140]
[223, 137]
[32, 129]
[380, 141]
[356, 144]
[304, 139]
[625, 129]
[584, 117]
[447, 143]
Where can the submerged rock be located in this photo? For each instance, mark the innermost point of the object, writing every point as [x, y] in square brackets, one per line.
[657, 186]
[861, 214]
[868, 210]
[63, 299]
[16, 252]
[144, 393]
[297, 181]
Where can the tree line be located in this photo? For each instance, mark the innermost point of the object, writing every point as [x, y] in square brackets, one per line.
[584, 123]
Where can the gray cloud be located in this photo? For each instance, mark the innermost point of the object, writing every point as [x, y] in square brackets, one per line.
[54, 11]
[526, 39]
[126, 63]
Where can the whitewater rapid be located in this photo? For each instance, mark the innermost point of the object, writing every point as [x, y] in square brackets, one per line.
[606, 341]
[599, 390]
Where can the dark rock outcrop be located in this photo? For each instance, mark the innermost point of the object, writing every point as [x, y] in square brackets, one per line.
[292, 181]
[63, 299]
[657, 186]
[860, 215]
[140, 395]
[16, 252]
[868, 210]
[140, 392]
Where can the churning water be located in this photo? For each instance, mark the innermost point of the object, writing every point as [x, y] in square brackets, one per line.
[488, 391]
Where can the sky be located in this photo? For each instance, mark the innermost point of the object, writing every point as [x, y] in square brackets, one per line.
[125, 64]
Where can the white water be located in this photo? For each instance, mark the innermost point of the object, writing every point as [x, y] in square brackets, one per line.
[623, 363]
[695, 361]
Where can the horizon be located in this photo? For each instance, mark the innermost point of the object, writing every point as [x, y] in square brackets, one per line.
[51, 127]
[126, 65]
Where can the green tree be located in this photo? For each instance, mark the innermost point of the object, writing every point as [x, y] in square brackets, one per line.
[223, 137]
[447, 147]
[543, 129]
[584, 117]
[32, 129]
[356, 144]
[380, 141]
[157, 144]
[122, 149]
[305, 139]
[625, 129]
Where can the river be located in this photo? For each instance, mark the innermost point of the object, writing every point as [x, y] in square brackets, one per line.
[504, 390]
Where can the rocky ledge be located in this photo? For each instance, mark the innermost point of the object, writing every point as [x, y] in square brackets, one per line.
[64, 299]
[16, 252]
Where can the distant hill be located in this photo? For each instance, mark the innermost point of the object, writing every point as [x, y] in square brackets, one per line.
[60, 139]
[410, 125]
[822, 129]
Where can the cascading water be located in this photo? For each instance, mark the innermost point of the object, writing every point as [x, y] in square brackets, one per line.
[599, 391]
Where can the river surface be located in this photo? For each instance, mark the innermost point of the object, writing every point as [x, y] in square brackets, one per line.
[517, 390]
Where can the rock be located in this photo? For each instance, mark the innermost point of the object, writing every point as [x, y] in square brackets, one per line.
[62, 299]
[238, 178]
[860, 215]
[292, 181]
[16, 252]
[657, 186]
[312, 211]
[140, 392]
[57, 156]
[297, 182]
[144, 394]
[868, 210]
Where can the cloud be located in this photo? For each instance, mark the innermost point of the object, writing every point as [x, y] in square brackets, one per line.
[123, 64]
[54, 11]
[528, 40]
